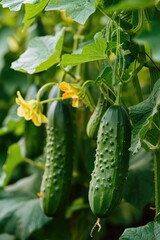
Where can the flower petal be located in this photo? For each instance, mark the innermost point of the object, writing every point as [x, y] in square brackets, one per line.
[64, 86]
[75, 102]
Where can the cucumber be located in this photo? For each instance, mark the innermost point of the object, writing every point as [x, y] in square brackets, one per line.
[59, 160]
[33, 136]
[94, 121]
[112, 160]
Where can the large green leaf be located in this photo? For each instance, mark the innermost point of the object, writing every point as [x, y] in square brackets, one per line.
[13, 159]
[140, 183]
[32, 10]
[90, 52]
[78, 10]
[151, 39]
[20, 212]
[15, 5]
[144, 117]
[42, 53]
[151, 231]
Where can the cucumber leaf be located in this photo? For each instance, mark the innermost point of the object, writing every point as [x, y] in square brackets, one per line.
[91, 52]
[32, 10]
[145, 118]
[140, 182]
[14, 157]
[41, 54]
[15, 5]
[79, 10]
[20, 212]
[151, 231]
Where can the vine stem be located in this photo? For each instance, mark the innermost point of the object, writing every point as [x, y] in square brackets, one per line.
[43, 88]
[157, 180]
[34, 164]
[118, 98]
[51, 100]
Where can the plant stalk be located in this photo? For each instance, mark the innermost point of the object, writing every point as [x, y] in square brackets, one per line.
[157, 180]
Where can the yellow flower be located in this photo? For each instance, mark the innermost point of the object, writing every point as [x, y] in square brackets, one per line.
[70, 92]
[30, 110]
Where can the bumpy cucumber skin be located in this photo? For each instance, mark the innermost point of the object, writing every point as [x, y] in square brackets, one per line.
[58, 168]
[94, 121]
[112, 160]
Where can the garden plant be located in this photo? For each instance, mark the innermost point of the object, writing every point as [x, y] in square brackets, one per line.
[80, 119]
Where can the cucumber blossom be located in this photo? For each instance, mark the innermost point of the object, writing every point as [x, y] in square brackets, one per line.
[58, 168]
[112, 160]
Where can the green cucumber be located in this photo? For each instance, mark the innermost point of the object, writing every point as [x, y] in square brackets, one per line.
[112, 161]
[33, 136]
[94, 121]
[59, 160]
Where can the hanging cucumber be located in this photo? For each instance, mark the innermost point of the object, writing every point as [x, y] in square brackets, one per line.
[94, 121]
[59, 158]
[112, 161]
[33, 136]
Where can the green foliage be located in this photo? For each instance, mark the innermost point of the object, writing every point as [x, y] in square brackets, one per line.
[16, 5]
[94, 46]
[32, 11]
[14, 152]
[141, 176]
[149, 231]
[91, 52]
[144, 120]
[151, 38]
[20, 209]
[78, 11]
[42, 53]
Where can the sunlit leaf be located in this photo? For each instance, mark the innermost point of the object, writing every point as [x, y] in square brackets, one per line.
[78, 10]
[15, 5]
[41, 54]
[151, 231]
[90, 52]
[14, 158]
[32, 10]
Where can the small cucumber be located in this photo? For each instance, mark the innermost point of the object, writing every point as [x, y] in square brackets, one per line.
[94, 121]
[59, 160]
[112, 161]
